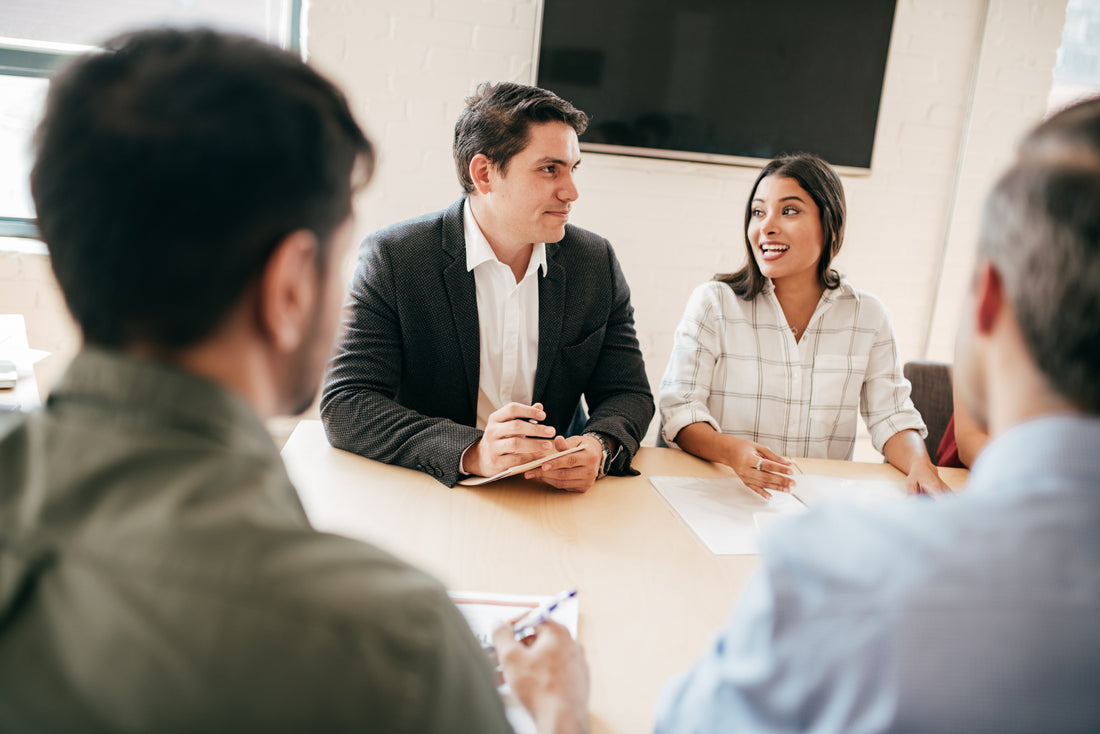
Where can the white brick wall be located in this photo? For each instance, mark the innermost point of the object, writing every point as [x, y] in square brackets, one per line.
[675, 223]
[963, 79]
[1012, 85]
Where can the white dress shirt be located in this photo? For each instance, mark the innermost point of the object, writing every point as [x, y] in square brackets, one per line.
[508, 322]
[736, 365]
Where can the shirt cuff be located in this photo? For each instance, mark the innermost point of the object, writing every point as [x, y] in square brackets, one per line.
[681, 419]
[462, 462]
[887, 429]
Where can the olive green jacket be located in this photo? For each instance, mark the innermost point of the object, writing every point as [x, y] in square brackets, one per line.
[157, 573]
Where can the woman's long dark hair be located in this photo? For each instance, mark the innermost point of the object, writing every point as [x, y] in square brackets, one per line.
[820, 181]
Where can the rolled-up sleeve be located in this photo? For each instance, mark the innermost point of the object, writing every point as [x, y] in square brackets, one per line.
[884, 399]
[686, 385]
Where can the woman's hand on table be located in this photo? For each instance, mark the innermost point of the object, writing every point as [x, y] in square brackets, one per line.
[924, 479]
[905, 451]
[758, 467]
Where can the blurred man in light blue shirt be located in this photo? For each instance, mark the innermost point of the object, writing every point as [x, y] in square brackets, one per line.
[979, 613]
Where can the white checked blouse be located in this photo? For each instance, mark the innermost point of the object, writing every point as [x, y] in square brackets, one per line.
[735, 364]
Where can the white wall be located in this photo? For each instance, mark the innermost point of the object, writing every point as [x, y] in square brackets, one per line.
[963, 79]
[1011, 87]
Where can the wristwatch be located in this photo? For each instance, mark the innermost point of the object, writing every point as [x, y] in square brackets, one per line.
[608, 457]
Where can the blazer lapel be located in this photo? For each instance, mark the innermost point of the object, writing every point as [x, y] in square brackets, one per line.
[551, 315]
[462, 297]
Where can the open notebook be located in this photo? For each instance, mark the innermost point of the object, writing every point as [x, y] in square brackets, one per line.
[476, 481]
[726, 515]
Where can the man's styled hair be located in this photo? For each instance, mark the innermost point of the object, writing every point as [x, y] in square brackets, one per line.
[1041, 230]
[171, 164]
[496, 122]
[818, 179]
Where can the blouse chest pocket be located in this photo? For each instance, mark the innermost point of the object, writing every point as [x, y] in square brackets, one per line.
[835, 384]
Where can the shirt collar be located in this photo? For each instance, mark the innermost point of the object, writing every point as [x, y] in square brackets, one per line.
[478, 250]
[1027, 455]
[843, 290]
[158, 394]
[831, 294]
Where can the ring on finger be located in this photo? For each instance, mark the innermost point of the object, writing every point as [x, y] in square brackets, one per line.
[759, 462]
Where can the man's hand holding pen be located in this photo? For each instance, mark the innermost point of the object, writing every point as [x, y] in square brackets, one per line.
[576, 472]
[548, 673]
[513, 436]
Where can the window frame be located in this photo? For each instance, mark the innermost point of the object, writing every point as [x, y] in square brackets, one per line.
[38, 61]
[26, 58]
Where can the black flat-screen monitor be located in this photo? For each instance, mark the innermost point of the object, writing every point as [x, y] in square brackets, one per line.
[725, 81]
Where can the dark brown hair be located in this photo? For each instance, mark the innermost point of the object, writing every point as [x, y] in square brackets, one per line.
[819, 180]
[496, 122]
[170, 165]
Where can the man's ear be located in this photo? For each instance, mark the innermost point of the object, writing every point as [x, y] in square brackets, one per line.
[480, 168]
[989, 297]
[288, 290]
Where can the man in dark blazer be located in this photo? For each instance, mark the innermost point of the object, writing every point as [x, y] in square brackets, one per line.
[473, 332]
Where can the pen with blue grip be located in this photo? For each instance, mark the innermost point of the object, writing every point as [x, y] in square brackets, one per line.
[525, 625]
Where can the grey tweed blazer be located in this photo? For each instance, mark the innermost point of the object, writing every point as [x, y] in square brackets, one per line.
[402, 385]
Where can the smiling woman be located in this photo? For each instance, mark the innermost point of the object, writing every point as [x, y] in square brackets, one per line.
[777, 359]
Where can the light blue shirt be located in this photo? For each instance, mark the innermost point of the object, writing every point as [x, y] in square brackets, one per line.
[976, 613]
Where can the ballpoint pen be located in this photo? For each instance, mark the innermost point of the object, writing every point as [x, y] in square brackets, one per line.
[525, 625]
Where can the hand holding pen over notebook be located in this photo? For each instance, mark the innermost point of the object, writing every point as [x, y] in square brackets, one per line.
[541, 675]
[545, 669]
[524, 627]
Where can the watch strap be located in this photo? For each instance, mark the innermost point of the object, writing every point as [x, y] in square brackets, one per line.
[605, 462]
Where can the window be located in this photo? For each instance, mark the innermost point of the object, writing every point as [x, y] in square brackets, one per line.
[42, 34]
[24, 78]
[1077, 72]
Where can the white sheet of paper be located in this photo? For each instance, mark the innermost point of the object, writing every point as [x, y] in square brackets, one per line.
[727, 516]
[24, 358]
[722, 511]
[814, 488]
[476, 481]
[484, 611]
[13, 344]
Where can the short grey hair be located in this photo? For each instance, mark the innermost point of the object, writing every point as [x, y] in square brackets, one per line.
[1068, 135]
[1041, 230]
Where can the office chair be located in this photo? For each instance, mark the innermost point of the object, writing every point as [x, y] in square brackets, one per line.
[931, 395]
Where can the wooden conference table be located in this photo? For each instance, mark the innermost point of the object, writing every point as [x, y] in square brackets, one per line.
[651, 595]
